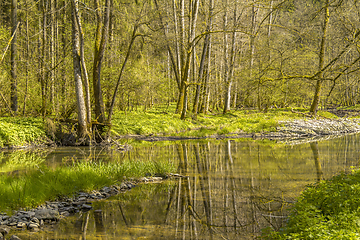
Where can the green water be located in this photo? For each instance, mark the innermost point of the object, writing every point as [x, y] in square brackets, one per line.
[233, 189]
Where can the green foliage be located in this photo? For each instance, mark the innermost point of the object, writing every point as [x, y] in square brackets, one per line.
[21, 131]
[327, 210]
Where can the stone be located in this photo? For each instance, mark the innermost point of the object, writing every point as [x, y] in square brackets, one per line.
[35, 220]
[86, 207]
[21, 225]
[124, 186]
[32, 226]
[65, 214]
[4, 231]
[105, 189]
[82, 199]
[47, 214]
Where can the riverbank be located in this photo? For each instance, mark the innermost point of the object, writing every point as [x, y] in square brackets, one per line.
[157, 125]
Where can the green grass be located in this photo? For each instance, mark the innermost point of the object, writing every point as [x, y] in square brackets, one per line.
[327, 210]
[169, 124]
[36, 186]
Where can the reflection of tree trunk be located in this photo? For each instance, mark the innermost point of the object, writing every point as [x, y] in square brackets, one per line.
[315, 149]
[187, 186]
[226, 188]
[232, 182]
[85, 225]
[171, 200]
[125, 221]
[99, 224]
[205, 192]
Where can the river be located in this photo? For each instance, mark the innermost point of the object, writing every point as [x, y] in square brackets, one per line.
[233, 189]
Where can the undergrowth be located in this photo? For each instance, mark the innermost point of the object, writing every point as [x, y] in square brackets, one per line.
[16, 131]
[327, 210]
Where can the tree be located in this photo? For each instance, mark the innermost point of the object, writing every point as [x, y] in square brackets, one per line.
[14, 25]
[81, 108]
[101, 39]
[320, 75]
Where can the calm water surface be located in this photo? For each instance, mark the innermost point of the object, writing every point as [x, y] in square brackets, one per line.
[234, 189]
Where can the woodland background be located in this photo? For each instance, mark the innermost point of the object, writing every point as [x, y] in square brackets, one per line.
[205, 55]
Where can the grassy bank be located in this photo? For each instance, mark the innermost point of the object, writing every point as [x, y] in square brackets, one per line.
[33, 187]
[327, 210]
[157, 121]
[17, 131]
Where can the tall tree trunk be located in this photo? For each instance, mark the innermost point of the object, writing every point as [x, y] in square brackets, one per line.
[186, 67]
[204, 57]
[230, 69]
[320, 76]
[100, 46]
[52, 54]
[82, 130]
[13, 50]
[43, 59]
[83, 65]
[27, 65]
[180, 105]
